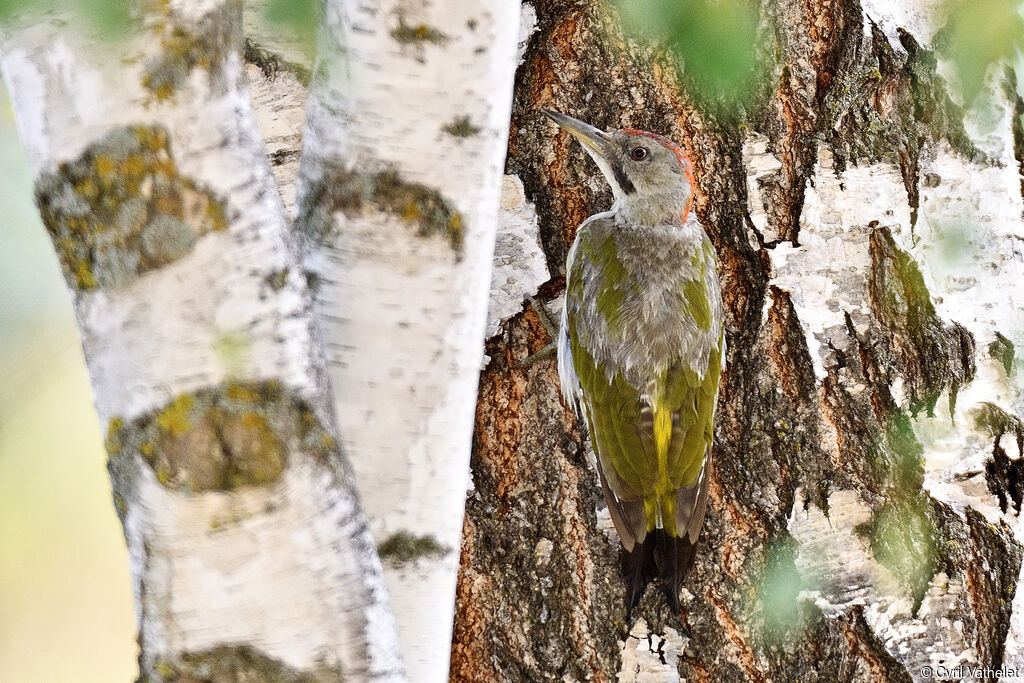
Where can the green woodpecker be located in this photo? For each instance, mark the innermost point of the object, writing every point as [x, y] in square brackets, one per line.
[640, 350]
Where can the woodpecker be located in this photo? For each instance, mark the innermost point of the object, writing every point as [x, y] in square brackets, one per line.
[640, 350]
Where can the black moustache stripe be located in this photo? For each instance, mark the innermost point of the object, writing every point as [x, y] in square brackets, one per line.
[625, 184]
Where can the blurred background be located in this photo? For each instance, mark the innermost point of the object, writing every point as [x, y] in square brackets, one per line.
[65, 599]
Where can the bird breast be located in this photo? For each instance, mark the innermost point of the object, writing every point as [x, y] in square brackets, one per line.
[650, 298]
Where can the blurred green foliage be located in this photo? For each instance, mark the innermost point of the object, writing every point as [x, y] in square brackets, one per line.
[905, 469]
[109, 17]
[714, 39]
[777, 592]
[979, 33]
[299, 18]
[232, 349]
[953, 244]
[903, 537]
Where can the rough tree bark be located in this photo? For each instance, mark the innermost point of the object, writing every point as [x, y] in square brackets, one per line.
[855, 529]
[250, 555]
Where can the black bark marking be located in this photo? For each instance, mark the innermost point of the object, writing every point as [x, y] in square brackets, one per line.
[402, 547]
[930, 355]
[271, 63]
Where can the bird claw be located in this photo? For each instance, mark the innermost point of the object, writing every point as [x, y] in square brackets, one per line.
[540, 355]
[546, 319]
[550, 326]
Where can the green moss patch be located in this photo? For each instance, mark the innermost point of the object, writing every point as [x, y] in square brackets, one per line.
[236, 664]
[418, 34]
[123, 208]
[351, 192]
[403, 547]
[461, 128]
[239, 434]
[185, 47]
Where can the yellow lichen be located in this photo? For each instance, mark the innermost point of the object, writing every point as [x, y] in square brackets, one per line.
[241, 392]
[215, 214]
[151, 137]
[163, 475]
[113, 440]
[174, 419]
[163, 92]
[87, 188]
[105, 166]
[165, 670]
[455, 229]
[167, 205]
[133, 167]
[86, 280]
[411, 212]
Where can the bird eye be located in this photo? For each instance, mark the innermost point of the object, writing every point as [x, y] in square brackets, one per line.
[639, 153]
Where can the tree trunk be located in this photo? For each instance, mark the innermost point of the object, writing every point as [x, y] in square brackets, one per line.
[397, 207]
[869, 233]
[250, 555]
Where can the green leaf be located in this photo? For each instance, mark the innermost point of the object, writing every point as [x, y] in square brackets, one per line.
[11, 8]
[110, 18]
[107, 16]
[299, 17]
[714, 39]
[980, 33]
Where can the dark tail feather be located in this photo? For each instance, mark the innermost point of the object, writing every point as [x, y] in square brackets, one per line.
[661, 557]
[639, 569]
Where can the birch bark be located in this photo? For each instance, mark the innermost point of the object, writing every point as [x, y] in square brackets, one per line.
[398, 193]
[250, 555]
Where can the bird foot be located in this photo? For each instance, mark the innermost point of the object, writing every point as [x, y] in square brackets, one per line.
[548, 350]
[550, 326]
[546, 319]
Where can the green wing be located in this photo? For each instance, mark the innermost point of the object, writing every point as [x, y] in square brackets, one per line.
[646, 469]
[651, 458]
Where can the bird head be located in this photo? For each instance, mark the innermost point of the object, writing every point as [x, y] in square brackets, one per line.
[650, 176]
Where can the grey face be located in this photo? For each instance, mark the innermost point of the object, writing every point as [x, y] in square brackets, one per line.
[647, 172]
[643, 164]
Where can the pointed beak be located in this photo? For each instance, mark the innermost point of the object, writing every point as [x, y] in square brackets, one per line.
[594, 140]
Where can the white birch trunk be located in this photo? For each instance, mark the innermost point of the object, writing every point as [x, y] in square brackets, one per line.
[249, 550]
[397, 201]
